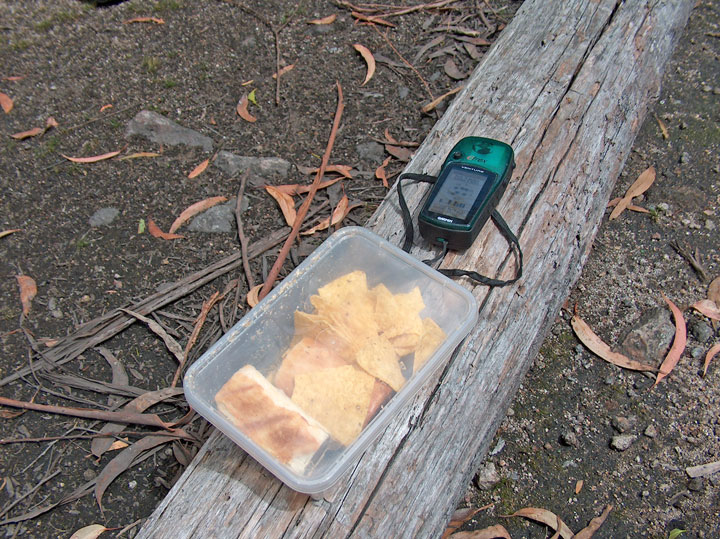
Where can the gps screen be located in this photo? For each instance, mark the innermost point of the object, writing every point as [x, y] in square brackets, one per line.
[458, 192]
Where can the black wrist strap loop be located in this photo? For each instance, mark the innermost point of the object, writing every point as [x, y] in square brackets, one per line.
[475, 276]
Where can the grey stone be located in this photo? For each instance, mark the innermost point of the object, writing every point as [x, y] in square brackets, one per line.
[262, 169]
[622, 442]
[371, 152]
[218, 219]
[159, 129]
[403, 92]
[104, 216]
[487, 476]
[621, 424]
[650, 431]
[648, 340]
[568, 438]
[697, 352]
[702, 331]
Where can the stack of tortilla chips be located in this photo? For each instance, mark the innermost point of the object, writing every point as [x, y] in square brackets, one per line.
[347, 357]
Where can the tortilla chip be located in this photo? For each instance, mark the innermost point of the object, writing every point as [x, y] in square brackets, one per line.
[377, 356]
[398, 317]
[380, 395]
[338, 398]
[431, 338]
[305, 356]
[347, 307]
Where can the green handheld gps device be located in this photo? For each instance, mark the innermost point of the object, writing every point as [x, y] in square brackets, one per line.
[471, 181]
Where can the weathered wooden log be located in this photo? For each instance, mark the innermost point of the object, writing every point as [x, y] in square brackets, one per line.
[567, 85]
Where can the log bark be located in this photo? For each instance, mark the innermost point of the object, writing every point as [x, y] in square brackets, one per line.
[567, 85]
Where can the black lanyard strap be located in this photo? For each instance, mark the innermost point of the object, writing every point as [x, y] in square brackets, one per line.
[475, 276]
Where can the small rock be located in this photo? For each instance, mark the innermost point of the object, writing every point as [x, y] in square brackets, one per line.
[650, 431]
[548, 446]
[621, 424]
[104, 216]
[220, 218]
[695, 484]
[697, 352]
[701, 330]
[132, 484]
[622, 442]
[403, 92]
[709, 225]
[371, 152]
[159, 129]
[650, 337]
[262, 169]
[487, 476]
[663, 207]
[498, 447]
[684, 158]
[89, 475]
[569, 438]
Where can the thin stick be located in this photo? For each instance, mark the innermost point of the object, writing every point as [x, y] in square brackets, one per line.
[302, 212]
[117, 417]
[412, 67]
[241, 232]
[32, 491]
[117, 434]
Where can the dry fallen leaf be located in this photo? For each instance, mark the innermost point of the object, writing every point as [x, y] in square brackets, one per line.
[459, 518]
[546, 517]
[283, 71]
[632, 207]
[6, 103]
[579, 486]
[154, 20]
[8, 232]
[93, 159]
[398, 152]
[252, 295]
[286, 203]
[587, 533]
[678, 345]
[194, 173]
[381, 173]
[340, 169]
[435, 102]
[709, 357]
[28, 290]
[155, 232]
[713, 293]
[89, 532]
[105, 107]
[137, 155]
[293, 189]
[369, 60]
[14, 78]
[708, 308]
[642, 184]
[193, 210]
[497, 531]
[596, 345]
[338, 214]
[29, 133]
[325, 20]
[242, 110]
[452, 70]
[117, 444]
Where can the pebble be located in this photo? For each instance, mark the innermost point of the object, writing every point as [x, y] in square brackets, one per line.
[622, 442]
[621, 424]
[220, 218]
[89, 475]
[650, 431]
[104, 217]
[697, 352]
[487, 476]
[371, 152]
[702, 331]
[684, 157]
[568, 438]
[159, 129]
[695, 484]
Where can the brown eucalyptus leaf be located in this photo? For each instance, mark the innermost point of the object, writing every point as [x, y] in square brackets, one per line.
[398, 152]
[678, 345]
[28, 291]
[497, 531]
[435, 102]
[709, 357]
[293, 189]
[596, 345]
[381, 173]
[154, 20]
[93, 531]
[242, 110]
[325, 20]
[713, 293]
[92, 159]
[156, 232]
[369, 60]
[35, 131]
[452, 70]
[708, 308]
[587, 533]
[252, 295]
[123, 461]
[545, 517]
[283, 71]
[192, 210]
[171, 344]
[642, 184]
[286, 203]
[9, 231]
[194, 173]
[6, 103]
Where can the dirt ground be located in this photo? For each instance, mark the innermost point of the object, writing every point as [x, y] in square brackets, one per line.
[69, 60]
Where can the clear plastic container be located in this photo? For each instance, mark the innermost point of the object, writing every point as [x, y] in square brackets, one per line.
[309, 377]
